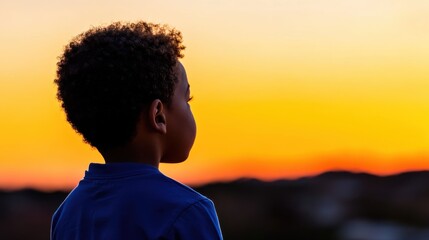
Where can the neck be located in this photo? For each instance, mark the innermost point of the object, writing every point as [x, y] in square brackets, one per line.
[129, 153]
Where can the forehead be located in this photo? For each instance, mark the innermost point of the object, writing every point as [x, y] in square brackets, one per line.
[181, 75]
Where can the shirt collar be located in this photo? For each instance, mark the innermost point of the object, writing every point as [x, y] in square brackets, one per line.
[118, 170]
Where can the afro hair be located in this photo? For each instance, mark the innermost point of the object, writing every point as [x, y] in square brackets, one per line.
[107, 75]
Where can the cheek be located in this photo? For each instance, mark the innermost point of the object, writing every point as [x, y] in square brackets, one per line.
[184, 135]
[185, 126]
[192, 124]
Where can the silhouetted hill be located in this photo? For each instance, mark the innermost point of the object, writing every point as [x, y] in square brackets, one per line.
[333, 205]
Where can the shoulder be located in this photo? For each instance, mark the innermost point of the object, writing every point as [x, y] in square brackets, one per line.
[192, 215]
[158, 195]
[188, 214]
[164, 189]
[183, 189]
[198, 221]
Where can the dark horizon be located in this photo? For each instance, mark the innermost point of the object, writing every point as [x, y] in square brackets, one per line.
[339, 171]
[335, 205]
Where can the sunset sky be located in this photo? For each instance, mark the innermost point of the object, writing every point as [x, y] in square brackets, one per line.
[282, 88]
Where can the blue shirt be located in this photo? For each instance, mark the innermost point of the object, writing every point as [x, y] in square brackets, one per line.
[133, 201]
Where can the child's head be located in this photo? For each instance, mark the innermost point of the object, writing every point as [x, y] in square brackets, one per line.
[123, 85]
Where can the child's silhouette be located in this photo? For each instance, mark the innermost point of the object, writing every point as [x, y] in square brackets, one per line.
[124, 90]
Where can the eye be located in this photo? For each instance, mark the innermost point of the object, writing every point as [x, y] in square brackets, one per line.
[190, 98]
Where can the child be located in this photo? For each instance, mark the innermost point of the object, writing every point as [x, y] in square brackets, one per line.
[124, 90]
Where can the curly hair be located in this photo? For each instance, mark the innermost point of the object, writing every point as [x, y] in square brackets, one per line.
[107, 75]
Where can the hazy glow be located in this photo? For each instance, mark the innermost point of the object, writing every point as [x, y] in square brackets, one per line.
[282, 88]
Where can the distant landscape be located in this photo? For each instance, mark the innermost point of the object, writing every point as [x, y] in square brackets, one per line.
[333, 205]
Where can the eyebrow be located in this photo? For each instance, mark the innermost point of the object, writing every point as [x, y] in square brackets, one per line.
[187, 89]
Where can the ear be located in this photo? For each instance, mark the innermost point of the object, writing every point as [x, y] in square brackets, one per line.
[157, 119]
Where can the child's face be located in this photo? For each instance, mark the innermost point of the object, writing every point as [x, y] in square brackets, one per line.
[181, 127]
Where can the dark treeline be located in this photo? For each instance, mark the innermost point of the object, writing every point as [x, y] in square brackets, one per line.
[333, 205]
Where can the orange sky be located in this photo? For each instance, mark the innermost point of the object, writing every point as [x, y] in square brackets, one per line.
[281, 88]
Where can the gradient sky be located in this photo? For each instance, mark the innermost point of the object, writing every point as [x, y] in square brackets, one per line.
[282, 88]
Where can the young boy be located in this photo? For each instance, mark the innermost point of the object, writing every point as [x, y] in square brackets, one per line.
[124, 90]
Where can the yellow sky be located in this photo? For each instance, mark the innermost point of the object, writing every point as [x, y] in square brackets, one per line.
[282, 88]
